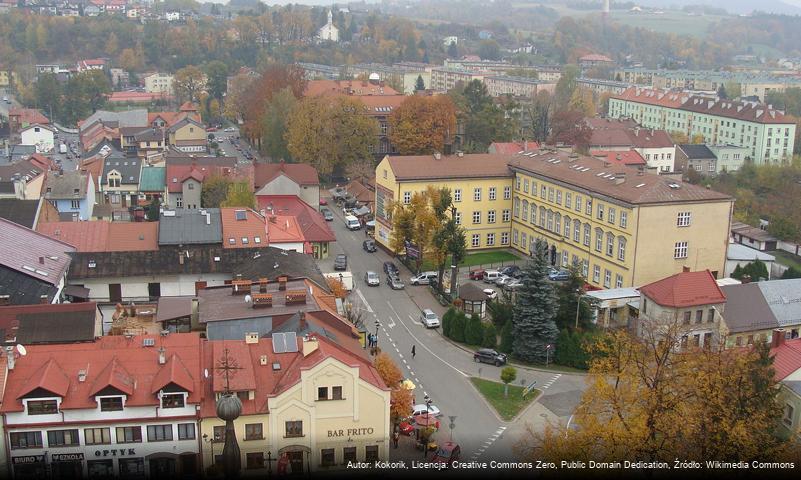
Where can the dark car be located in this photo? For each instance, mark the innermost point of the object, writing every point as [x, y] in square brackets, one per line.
[327, 214]
[488, 355]
[477, 274]
[391, 268]
[369, 245]
[559, 275]
[511, 270]
[341, 262]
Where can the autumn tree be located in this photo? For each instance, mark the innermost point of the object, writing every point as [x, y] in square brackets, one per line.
[188, 83]
[423, 125]
[217, 77]
[537, 116]
[583, 101]
[274, 124]
[240, 194]
[255, 98]
[330, 132]
[566, 85]
[336, 287]
[213, 191]
[568, 127]
[400, 398]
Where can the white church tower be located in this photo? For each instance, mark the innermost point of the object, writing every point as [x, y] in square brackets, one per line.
[328, 32]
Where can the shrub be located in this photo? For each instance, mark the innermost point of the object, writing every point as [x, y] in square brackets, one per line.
[490, 339]
[474, 331]
[447, 321]
[458, 327]
[507, 337]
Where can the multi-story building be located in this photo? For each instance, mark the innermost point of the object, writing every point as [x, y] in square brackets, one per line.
[404, 78]
[768, 133]
[445, 79]
[480, 184]
[498, 85]
[600, 87]
[159, 83]
[316, 71]
[72, 193]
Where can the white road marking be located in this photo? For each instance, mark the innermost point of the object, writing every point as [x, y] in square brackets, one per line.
[400, 355]
[404, 361]
[418, 342]
[396, 348]
[391, 323]
[411, 372]
[551, 381]
[413, 320]
[364, 300]
[488, 443]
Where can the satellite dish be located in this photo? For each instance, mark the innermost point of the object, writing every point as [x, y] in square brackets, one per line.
[206, 372]
[22, 350]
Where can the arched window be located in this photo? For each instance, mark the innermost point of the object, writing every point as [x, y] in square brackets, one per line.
[557, 227]
[542, 217]
[533, 214]
[567, 227]
[577, 230]
[550, 220]
[599, 240]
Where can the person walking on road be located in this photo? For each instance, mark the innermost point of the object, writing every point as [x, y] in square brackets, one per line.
[395, 437]
[413, 353]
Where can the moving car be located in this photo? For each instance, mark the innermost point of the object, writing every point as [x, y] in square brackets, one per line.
[429, 318]
[559, 275]
[341, 262]
[390, 267]
[230, 129]
[394, 282]
[328, 215]
[372, 279]
[477, 274]
[488, 355]
[491, 275]
[421, 410]
[369, 245]
[424, 278]
[5, 99]
[447, 453]
[352, 223]
[513, 285]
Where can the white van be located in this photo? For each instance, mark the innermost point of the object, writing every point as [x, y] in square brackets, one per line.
[352, 222]
[424, 278]
[491, 275]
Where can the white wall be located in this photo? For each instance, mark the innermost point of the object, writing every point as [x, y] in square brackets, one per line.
[136, 287]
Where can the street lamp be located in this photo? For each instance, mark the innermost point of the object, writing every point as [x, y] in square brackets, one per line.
[211, 442]
[547, 354]
[270, 461]
[427, 400]
[578, 305]
[377, 324]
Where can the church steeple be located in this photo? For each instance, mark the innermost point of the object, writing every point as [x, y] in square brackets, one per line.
[330, 17]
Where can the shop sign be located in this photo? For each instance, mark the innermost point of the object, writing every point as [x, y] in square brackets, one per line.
[351, 432]
[115, 452]
[27, 459]
[67, 457]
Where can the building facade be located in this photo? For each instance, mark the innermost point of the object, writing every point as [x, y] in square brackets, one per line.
[444, 79]
[159, 83]
[498, 85]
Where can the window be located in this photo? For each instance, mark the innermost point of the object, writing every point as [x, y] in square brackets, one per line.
[588, 209]
[596, 273]
[687, 316]
[565, 258]
[523, 239]
[42, 407]
[407, 198]
[576, 231]
[610, 217]
[476, 217]
[610, 244]
[186, 431]
[172, 400]
[514, 236]
[517, 208]
[159, 433]
[477, 194]
[63, 438]
[567, 227]
[371, 453]
[524, 214]
[621, 249]
[504, 238]
[618, 281]
[568, 200]
[550, 220]
[25, 439]
[490, 239]
[253, 431]
[525, 185]
[327, 457]
[787, 419]
[190, 186]
[75, 204]
[475, 240]
[518, 182]
[586, 234]
[607, 278]
[349, 455]
[533, 214]
[219, 433]
[97, 436]
[699, 316]
[491, 216]
[624, 219]
[599, 240]
[578, 203]
[711, 315]
[457, 195]
[543, 192]
[336, 393]
[110, 404]
[179, 202]
[255, 460]
[294, 428]
[680, 250]
[507, 193]
[600, 212]
[232, 241]
[542, 217]
[550, 194]
[131, 434]
[458, 218]
[507, 215]
[322, 393]
[558, 197]
[492, 193]
[683, 219]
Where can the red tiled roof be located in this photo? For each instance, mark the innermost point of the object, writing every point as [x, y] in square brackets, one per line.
[46, 259]
[283, 229]
[629, 157]
[179, 169]
[300, 173]
[104, 236]
[251, 227]
[595, 57]
[685, 289]
[28, 116]
[511, 148]
[188, 107]
[786, 358]
[358, 88]
[140, 97]
[634, 137]
[311, 222]
[114, 376]
[382, 105]
[55, 367]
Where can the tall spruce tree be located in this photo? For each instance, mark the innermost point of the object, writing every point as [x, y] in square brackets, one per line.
[534, 316]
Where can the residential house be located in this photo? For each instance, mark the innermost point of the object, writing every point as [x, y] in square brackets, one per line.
[696, 157]
[22, 180]
[184, 176]
[152, 183]
[655, 146]
[190, 227]
[740, 255]
[786, 356]
[317, 235]
[159, 83]
[119, 183]
[614, 307]
[19, 118]
[33, 267]
[72, 193]
[628, 158]
[510, 148]
[244, 228]
[753, 237]
[104, 236]
[130, 98]
[28, 213]
[444, 79]
[116, 407]
[188, 136]
[754, 311]
[595, 60]
[688, 305]
[42, 136]
[100, 63]
[499, 85]
[729, 157]
[602, 87]
[298, 179]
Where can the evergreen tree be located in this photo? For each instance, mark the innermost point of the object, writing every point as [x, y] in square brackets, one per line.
[420, 85]
[568, 294]
[791, 272]
[535, 311]
[737, 273]
[490, 339]
[453, 51]
[458, 327]
[153, 210]
[447, 321]
[507, 337]
[474, 330]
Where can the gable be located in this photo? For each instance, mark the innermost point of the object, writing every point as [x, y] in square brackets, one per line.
[280, 185]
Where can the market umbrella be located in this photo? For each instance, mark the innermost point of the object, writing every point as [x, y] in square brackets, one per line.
[408, 384]
[426, 420]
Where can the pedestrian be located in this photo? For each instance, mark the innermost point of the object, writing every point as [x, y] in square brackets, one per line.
[413, 352]
[395, 437]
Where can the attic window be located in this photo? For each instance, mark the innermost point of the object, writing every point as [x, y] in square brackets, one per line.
[256, 239]
[232, 241]
[276, 366]
[241, 215]
[244, 240]
[92, 264]
[174, 180]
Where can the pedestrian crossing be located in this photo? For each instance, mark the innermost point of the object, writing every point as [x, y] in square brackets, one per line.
[551, 381]
[488, 443]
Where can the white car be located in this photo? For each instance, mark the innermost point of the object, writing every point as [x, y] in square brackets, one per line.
[421, 410]
[490, 293]
[229, 129]
[429, 319]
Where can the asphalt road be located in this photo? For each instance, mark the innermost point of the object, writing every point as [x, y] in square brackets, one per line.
[440, 369]
[224, 140]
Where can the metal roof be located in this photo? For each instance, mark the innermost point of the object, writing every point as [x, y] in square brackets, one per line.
[187, 227]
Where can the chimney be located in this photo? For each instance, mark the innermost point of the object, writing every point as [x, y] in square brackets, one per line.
[263, 285]
[685, 269]
[263, 360]
[309, 345]
[251, 338]
[162, 356]
[777, 339]
[81, 376]
[41, 260]
[437, 156]
[303, 323]
[11, 360]
[620, 178]
[282, 283]
[525, 145]
[44, 300]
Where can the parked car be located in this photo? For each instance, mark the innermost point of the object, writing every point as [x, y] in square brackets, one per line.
[488, 355]
[352, 222]
[490, 293]
[477, 274]
[328, 215]
[369, 245]
[372, 279]
[447, 453]
[559, 275]
[424, 278]
[341, 262]
[421, 410]
[395, 282]
[510, 270]
[513, 285]
[390, 267]
[503, 280]
[491, 275]
[230, 129]
[429, 318]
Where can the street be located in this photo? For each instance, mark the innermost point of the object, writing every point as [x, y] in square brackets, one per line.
[441, 369]
[228, 146]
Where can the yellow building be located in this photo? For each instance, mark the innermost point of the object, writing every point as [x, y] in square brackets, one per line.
[627, 228]
[480, 184]
[318, 406]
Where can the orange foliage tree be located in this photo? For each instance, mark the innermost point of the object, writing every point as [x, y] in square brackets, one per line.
[401, 399]
[423, 125]
[259, 93]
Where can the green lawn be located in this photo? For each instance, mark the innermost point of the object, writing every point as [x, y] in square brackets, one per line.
[787, 258]
[483, 258]
[507, 407]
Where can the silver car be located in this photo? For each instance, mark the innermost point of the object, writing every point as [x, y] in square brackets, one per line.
[429, 319]
[503, 280]
[372, 279]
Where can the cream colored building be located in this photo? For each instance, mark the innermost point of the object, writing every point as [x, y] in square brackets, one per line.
[498, 85]
[316, 403]
[444, 79]
[159, 83]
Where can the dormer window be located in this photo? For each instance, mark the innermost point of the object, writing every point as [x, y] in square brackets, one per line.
[172, 400]
[110, 404]
[42, 407]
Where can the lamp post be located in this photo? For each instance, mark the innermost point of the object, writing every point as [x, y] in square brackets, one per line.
[210, 441]
[547, 354]
[377, 324]
[270, 461]
[578, 305]
[425, 439]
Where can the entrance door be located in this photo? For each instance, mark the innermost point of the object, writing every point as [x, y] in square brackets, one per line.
[188, 464]
[68, 470]
[295, 462]
[154, 290]
[161, 467]
[115, 292]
